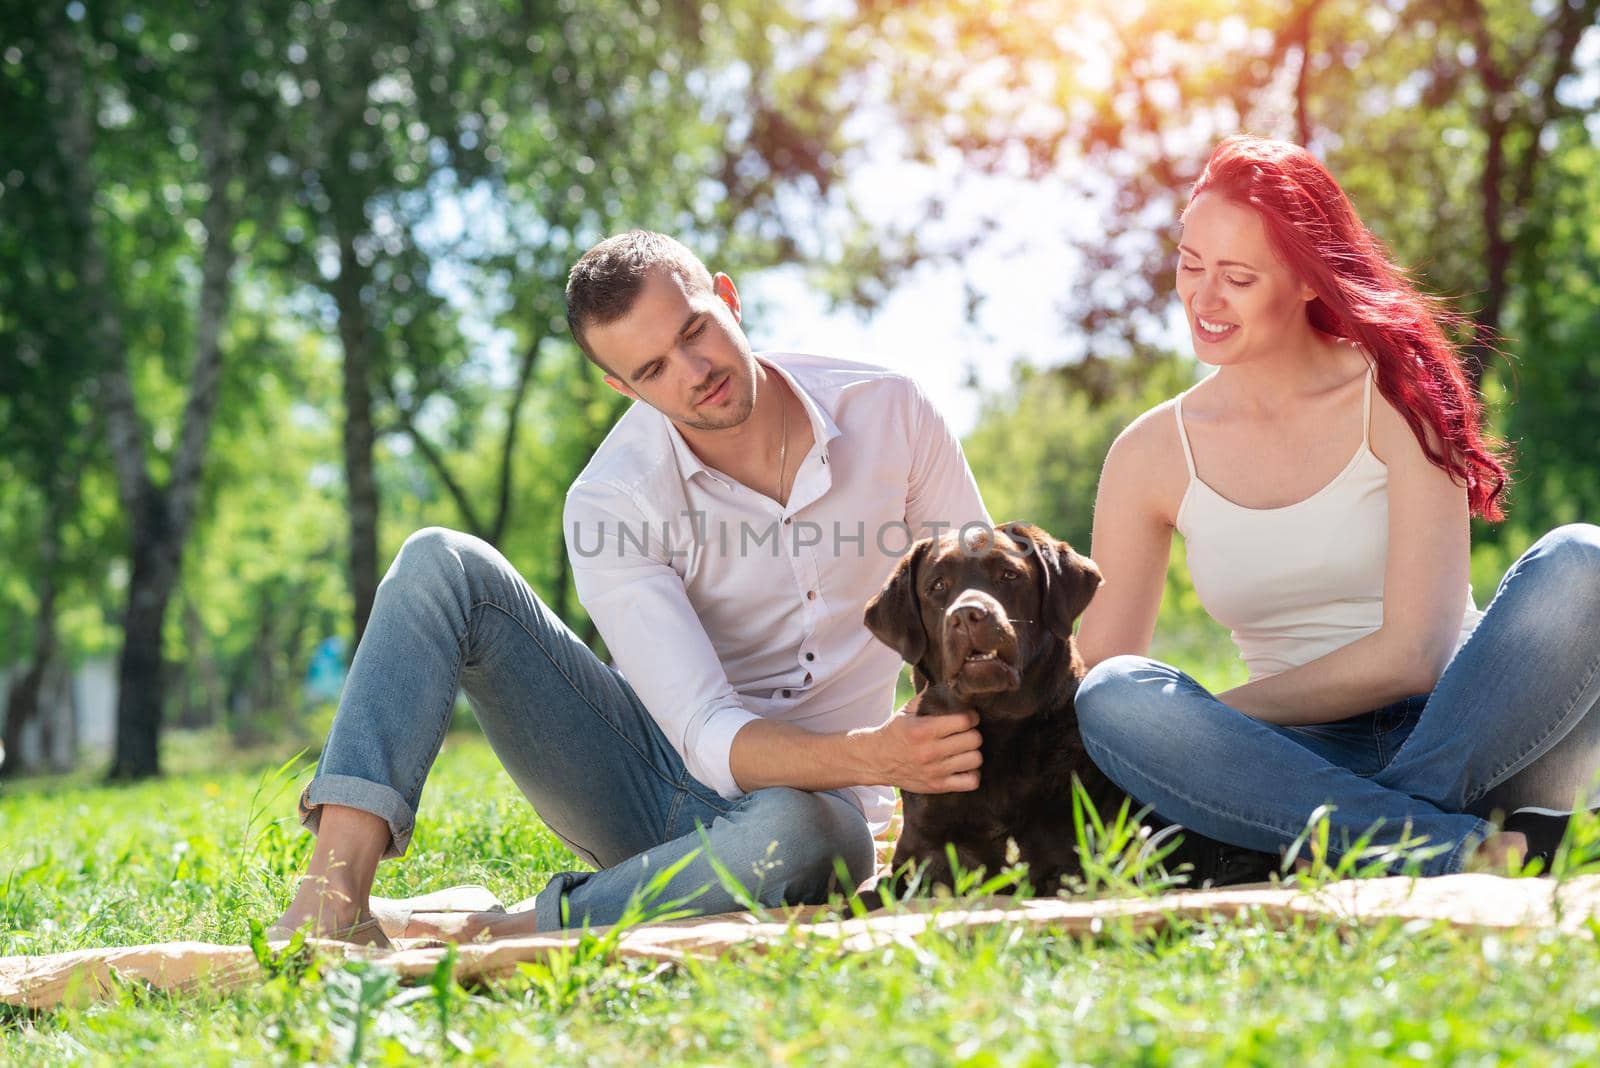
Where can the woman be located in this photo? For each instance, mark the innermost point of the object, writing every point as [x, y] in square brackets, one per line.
[1323, 479]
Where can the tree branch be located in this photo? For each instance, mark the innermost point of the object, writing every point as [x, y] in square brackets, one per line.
[1568, 31]
[407, 422]
[1298, 31]
[530, 358]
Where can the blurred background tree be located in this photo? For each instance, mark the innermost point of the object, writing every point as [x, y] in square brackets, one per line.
[280, 280]
[1465, 131]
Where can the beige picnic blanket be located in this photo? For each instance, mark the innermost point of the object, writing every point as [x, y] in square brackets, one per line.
[1464, 901]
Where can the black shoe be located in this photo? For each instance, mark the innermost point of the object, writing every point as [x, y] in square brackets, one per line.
[1544, 828]
[1210, 862]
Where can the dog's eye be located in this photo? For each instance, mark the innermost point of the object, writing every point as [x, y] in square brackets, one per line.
[939, 586]
[1009, 575]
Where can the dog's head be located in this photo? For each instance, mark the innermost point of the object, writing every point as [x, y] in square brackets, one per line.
[975, 612]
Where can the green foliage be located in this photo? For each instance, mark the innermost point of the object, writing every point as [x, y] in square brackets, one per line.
[1038, 446]
[413, 182]
[1463, 132]
[1112, 848]
[89, 865]
[1549, 390]
[1037, 452]
[455, 159]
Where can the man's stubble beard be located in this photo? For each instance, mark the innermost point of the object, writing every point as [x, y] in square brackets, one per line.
[746, 407]
[732, 420]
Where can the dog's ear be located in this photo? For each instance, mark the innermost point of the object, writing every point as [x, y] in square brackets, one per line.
[894, 616]
[1068, 580]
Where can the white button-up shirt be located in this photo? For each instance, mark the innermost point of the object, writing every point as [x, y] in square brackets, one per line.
[720, 606]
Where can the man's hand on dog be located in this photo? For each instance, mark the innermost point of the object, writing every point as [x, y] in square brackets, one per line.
[925, 754]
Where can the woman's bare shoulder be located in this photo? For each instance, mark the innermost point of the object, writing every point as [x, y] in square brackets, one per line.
[1391, 438]
[1152, 436]
[1146, 460]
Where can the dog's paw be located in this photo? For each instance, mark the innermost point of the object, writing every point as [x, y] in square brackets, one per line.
[870, 900]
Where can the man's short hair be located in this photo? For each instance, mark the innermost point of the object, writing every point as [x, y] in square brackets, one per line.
[604, 284]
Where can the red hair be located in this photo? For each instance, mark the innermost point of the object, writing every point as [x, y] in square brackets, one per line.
[1363, 296]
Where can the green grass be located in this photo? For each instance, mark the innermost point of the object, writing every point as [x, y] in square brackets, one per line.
[199, 855]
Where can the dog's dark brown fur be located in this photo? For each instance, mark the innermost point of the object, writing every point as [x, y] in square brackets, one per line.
[1015, 594]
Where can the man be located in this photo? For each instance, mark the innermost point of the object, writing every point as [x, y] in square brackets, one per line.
[724, 539]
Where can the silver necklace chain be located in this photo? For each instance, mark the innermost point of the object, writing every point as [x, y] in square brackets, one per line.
[783, 446]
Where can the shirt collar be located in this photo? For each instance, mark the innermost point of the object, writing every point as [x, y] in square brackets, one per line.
[823, 428]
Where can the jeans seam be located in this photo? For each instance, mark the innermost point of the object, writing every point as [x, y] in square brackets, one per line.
[1453, 859]
[687, 784]
[672, 813]
[1387, 752]
[1515, 764]
[578, 690]
[419, 776]
[1129, 769]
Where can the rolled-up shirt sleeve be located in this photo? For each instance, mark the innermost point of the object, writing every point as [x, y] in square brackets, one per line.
[942, 493]
[639, 606]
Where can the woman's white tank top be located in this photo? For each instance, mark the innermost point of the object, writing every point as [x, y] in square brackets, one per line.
[1297, 582]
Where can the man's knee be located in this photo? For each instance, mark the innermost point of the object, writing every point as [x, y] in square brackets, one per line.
[804, 840]
[434, 551]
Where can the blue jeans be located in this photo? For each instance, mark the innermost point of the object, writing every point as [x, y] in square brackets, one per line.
[1511, 722]
[452, 612]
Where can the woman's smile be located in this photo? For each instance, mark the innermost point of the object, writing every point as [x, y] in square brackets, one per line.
[1213, 331]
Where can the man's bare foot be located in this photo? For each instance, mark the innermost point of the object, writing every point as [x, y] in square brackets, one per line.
[324, 909]
[1497, 852]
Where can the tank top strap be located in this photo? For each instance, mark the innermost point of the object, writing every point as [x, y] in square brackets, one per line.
[1183, 435]
[1366, 411]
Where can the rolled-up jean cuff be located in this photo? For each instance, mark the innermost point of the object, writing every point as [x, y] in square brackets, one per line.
[547, 903]
[382, 801]
[1456, 860]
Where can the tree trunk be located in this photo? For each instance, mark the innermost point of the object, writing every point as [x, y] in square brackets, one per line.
[355, 335]
[1497, 247]
[1514, 120]
[159, 520]
[22, 702]
[166, 515]
[1300, 31]
[141, 675]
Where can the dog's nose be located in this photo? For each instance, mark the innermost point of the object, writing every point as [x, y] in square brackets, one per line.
[969, 615]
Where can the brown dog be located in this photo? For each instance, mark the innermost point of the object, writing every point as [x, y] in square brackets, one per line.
[986, 624]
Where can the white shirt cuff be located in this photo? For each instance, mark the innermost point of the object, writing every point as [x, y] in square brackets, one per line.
[708, 748]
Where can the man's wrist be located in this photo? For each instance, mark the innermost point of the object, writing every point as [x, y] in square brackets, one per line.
[859, 755]
[768, 753]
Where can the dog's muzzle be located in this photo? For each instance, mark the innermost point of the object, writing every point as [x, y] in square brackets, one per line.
[980, 645]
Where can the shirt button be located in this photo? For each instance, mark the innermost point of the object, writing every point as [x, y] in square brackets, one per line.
[787, 520]
[811, 656]
[786, 693]
[811, 595]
